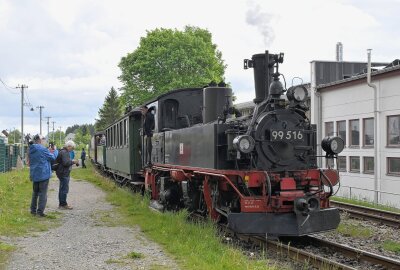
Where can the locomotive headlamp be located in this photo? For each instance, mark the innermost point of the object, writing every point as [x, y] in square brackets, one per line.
[297, 93]
[244, 143]
[332, 145]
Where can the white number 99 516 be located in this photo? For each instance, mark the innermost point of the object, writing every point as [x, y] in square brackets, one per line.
[286, 135]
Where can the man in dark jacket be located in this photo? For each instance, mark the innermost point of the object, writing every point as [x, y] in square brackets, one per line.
[148, 127]
[40, 173]
[83, 157]
[63, 173]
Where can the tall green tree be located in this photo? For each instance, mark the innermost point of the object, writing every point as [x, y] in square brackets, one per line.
[167, 59]
[110, 111]
[14, 136]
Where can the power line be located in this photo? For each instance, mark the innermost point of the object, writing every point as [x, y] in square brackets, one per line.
[8, 88]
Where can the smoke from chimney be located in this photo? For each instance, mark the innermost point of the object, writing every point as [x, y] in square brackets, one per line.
[256, 17]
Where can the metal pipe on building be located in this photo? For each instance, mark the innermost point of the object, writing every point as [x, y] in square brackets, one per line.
[377, 185]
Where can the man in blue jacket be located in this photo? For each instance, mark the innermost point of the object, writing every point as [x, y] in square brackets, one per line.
[40, 160]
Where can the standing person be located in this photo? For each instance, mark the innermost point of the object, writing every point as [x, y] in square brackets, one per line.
[148, 127]
[83, 157]
[40, 173]
[63, 173]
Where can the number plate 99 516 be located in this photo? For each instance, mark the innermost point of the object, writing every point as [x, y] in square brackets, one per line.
[287, 135]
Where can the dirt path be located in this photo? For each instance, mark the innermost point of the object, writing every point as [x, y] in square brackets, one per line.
[89, 237]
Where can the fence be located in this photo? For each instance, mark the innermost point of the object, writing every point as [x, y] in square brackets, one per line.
[382, 199]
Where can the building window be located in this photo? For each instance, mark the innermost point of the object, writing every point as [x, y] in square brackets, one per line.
[342, 164]
[393, 130]
[393, 166]
[354, 132]
[354, 164]
[368, 165]
[341, 130]
[328, 128]
[368, 132]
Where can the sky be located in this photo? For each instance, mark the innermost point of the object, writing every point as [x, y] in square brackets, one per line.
[67, 52]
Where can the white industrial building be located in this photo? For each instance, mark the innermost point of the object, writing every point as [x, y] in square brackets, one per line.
[346, 108]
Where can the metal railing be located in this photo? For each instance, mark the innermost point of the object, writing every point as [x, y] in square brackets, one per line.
[352, 194]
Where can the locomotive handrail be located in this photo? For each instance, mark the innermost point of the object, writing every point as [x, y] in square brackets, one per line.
[222, 176]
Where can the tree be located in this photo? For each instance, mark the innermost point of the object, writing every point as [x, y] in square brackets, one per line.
[57, 136]
[110, 111]
[14, 136]
[167, 59]
[71, 129]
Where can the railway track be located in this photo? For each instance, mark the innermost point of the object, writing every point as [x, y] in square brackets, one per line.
[294, 249]
[361, 212]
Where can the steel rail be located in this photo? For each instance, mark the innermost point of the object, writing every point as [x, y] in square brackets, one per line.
[354, 253]
[361, 212]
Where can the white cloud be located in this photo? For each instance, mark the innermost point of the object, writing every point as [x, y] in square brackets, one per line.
[68, 51]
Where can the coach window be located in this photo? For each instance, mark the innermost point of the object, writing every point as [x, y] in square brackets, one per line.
[121, 134]
[114, 136]
[393, 166]
[393, 130]
[341, 130]
[355, 164]
[368, 132]
[368, 164]
[354, 132]
[107, 138]
[126, 131]
[342, 164]
[328, 128]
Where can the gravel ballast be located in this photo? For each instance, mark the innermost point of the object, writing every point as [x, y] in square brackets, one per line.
[88, 237]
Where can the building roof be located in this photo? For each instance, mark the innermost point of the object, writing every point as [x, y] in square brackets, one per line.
[392, 70]
[374, 64]
[245, 105]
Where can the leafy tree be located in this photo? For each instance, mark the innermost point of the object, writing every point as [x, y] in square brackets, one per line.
[167, 59]
[57, 137]
[14, 134]
[110, 111]
[71, 129]
[81, 140]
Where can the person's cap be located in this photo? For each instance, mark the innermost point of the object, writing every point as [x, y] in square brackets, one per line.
[51, 144]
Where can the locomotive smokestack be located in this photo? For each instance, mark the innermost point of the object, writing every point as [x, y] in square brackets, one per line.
[263, 65]
[259, 62]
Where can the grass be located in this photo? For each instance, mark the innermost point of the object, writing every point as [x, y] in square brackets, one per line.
[366, 204]
[391, 246]
[194, 246]
[135, 255]
[15, 218]
[352, 230]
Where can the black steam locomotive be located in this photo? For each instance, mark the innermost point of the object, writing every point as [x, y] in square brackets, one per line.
[257, 173]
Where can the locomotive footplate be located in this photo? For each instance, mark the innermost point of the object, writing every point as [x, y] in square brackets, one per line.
[284, 224]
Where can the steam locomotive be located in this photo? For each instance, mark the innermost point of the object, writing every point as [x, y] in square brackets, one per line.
[257, 173]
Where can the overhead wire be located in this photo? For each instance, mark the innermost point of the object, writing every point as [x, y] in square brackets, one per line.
[8, 88]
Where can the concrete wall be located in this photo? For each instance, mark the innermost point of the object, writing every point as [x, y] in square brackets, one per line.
[356, 102]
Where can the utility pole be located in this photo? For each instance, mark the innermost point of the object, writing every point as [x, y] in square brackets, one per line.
[22, 87]
[48, 127]
[53, 130]
[40, 112]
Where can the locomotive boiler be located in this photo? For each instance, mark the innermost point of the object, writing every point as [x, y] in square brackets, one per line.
[258, 173]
